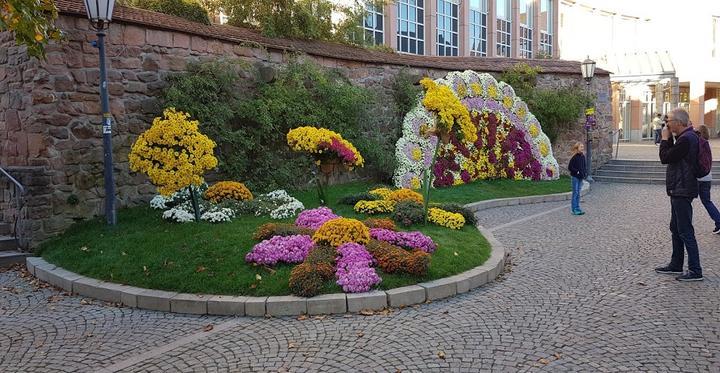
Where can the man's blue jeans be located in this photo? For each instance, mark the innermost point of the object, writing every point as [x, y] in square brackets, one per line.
[683, 235]
[576, 186]
[658, 135]
[704, 187]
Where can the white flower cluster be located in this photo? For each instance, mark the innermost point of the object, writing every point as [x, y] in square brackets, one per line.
[179, 215]
[159, 202]
[218, 215]
[279, 205]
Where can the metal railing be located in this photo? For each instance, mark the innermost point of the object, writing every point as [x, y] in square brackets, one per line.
[19, 192]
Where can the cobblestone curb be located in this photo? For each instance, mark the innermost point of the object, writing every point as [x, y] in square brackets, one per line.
[502, 202]
[290, 305]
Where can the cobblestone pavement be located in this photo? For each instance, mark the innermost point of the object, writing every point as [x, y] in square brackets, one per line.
[580, 295]
[647, 150]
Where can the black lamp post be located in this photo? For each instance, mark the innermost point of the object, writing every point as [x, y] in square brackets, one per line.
[99, 13]
[588, 71]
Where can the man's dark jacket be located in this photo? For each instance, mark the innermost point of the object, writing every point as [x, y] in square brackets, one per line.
[681, 157]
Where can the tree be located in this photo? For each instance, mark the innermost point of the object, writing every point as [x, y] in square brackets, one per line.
[32, 21]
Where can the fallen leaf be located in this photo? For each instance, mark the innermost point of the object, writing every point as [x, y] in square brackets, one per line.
[123, 253]
[84, 248]
[366, 312]
[557, 355]
[544, 361]
[144, 268]
[456, 254]
[258, 277]
[200, 269]
[208, 327]
[85, 302]
[360, 334]
[302, 317]
[291, 345]
[253, 286]
[441, 355]
[319, 317]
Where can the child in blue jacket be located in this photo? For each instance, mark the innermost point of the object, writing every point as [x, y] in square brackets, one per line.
[578, 172]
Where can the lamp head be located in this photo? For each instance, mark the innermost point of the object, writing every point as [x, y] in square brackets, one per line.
[588, 69]
[99, 13]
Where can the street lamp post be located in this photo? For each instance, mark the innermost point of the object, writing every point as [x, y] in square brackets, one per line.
[99, 13]
[588, 71]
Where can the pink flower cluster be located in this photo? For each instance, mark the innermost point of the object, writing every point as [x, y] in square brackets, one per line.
[314, 218]
[408, 240]
[287, 249]
[354, 272]
[345, 154]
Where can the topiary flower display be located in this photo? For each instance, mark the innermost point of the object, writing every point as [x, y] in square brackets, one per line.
[223, 190]
[174, 154]
[338, 231]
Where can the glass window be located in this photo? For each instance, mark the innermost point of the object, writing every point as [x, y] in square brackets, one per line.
[716, 36]
[447, 27]
[373, 25]
[526, 28]
[546, 28]
[504, 28]
[478, 27]
[410, 31]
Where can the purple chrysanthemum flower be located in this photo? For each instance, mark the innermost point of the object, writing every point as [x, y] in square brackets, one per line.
[314, 218]
[285, 249]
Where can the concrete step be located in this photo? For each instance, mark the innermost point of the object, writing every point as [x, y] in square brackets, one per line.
[658, 168]
[8, 258]
[636, 180]
[8, 243]
[631, 174]
[645, 162]
[5, 229]
[628, 180]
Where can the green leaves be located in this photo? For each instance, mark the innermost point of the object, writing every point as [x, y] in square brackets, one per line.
[32, 21]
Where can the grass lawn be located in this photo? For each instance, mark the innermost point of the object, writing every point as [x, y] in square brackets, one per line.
[144, 250]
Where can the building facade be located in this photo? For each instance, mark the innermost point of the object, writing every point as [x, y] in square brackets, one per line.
[661, 56]
[485, 28]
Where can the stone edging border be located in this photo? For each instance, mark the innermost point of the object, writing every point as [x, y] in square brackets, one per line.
[291, 305]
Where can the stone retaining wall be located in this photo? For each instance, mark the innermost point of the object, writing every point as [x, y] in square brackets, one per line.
[49, 110]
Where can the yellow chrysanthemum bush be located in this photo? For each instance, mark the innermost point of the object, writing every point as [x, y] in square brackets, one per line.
[173, 153]
[375, 207]
[336, 232]
[223, 190]
[449, 111]
[405, 194]
[444, 218]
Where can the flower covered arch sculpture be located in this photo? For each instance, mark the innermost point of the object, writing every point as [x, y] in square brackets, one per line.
[510, 142]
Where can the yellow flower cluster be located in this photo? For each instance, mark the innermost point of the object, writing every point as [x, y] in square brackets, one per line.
[374, 207]
[223, 190]
[508, 102]
[544, 149]
[415, 182]
[309, 139]
[173, 153]
[445, 219]
[381, 193]
[405, 195]
[342, 230]
[534, 131]
[441, 100]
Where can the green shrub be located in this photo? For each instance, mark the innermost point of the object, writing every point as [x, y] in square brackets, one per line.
[408, 213]
[189, 9]
[250, 129]
[556, 109]
[352, 199]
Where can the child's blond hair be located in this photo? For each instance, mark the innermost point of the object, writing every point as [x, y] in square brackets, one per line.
[576, 147]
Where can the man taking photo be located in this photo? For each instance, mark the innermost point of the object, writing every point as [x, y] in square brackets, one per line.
[680, 156]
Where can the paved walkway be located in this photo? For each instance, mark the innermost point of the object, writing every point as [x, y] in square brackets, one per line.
[580, 296]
